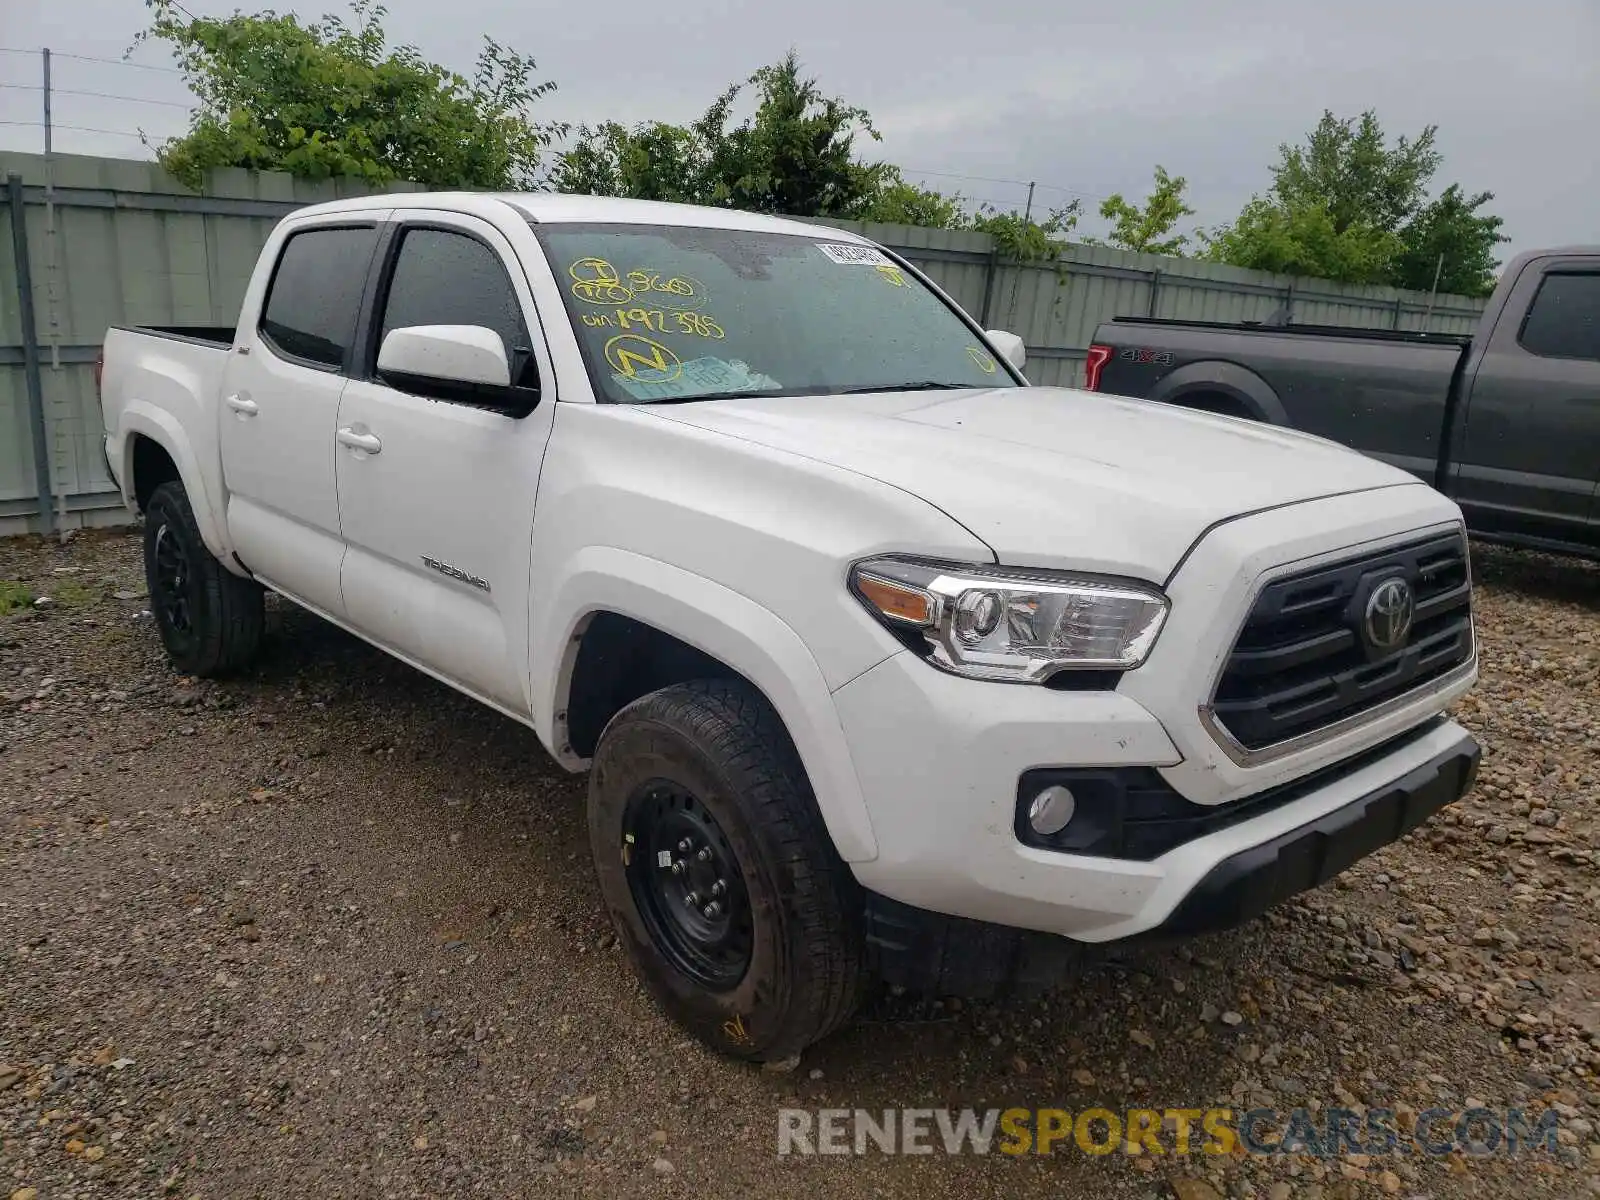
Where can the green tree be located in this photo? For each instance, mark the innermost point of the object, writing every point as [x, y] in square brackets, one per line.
[899, 202]
[1349, 168]
[795, 155]
[1149, 228]
[654, 161]
[332, 98]
[1348, 205]
[1451, 237]
[1020, 238]
[1303, 240]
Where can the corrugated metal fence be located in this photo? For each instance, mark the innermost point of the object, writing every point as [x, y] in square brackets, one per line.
[1056, 307]
[112, 241]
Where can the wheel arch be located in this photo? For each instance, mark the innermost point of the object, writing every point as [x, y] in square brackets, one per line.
[614, 604]
[147, 430]
[1238, 387]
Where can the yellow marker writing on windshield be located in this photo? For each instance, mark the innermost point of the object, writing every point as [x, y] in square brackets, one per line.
[985, 363]
[595, 281]
[685, 291]
[628, 354]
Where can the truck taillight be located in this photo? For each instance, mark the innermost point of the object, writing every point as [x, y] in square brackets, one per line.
[99, 370]
[1099, 355]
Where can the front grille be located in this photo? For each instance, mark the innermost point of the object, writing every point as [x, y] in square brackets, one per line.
[1301, 662]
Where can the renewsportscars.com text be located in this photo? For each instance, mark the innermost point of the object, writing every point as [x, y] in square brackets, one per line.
[1178, 1131]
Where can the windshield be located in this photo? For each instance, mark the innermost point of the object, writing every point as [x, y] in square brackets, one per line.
[675, 313]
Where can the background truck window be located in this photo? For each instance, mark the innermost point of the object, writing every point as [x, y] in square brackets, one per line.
[1564, 320]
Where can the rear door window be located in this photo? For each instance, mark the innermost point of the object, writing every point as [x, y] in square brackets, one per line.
[310, 313]
[1564, 319]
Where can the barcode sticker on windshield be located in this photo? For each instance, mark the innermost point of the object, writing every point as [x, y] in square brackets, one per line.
[854, 256]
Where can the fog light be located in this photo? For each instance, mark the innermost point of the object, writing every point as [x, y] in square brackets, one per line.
[1051, 810]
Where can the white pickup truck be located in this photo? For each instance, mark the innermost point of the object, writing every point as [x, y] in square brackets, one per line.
[884, 663]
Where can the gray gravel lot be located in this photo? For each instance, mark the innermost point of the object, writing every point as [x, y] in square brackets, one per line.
[331, 930]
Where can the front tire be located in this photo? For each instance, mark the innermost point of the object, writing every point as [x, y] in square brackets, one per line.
[210, 619]
[719, 875]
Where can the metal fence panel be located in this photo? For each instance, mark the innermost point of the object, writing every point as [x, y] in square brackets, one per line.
[115, 241]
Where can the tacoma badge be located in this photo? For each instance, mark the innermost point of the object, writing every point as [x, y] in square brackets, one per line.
[444, 568]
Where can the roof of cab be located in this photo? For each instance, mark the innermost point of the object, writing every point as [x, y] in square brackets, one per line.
[554, 207]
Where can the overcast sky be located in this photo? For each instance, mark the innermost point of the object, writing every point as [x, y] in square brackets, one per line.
[1084, 97]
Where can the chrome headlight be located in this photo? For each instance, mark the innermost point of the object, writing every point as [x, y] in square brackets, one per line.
[1002, 623]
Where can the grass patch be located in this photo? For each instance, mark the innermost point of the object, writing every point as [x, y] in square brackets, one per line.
[14, 596]
[73, 594]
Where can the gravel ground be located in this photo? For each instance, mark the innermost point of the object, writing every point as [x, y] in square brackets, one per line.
[331, 930]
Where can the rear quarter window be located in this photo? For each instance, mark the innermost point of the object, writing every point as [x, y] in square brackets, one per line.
[1564, 319]
[310, 313]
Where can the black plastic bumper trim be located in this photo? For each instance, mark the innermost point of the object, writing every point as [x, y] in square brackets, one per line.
[1247, 884]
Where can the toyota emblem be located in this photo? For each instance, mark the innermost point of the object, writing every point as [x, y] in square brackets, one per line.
[1390, 610]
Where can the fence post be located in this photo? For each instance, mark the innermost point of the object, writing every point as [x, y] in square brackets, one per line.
[30, 352]
[1399, 308]
[1155, 294]
[988, 280]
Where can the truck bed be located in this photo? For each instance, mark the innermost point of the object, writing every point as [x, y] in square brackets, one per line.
[1381, 391]
[1355, 333]
[204, 335]
[153, 376]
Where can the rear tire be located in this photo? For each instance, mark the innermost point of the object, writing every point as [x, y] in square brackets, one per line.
[719, 874]
[210, 619]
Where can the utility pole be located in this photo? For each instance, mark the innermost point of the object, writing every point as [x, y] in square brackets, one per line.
[1027, 212]
[52, 269]
[1433, 295]
[48, 146]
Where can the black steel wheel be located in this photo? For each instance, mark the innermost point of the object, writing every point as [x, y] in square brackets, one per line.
[688, 887]
[173, 589]
[723, 885]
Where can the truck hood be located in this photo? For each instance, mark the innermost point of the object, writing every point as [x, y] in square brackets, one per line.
[1054, 477]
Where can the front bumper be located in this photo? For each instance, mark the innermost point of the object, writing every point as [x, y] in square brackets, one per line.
[1244, 885]
[940, 780]
[937, 954]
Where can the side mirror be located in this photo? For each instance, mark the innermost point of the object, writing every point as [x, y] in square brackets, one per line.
[1009, 345]
[464, 363]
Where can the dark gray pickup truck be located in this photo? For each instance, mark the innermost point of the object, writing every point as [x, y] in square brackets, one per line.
[1506, 422]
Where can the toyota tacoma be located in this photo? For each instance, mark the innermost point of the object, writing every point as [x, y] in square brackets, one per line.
[883, 663]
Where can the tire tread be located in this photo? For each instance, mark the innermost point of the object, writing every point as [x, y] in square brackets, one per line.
[233, 608]
[734, 723]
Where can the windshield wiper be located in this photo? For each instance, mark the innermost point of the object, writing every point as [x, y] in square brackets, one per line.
[921, 385]
[745, 394]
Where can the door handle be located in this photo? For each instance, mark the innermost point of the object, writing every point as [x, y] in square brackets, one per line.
[242, 405]
[359, 441]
